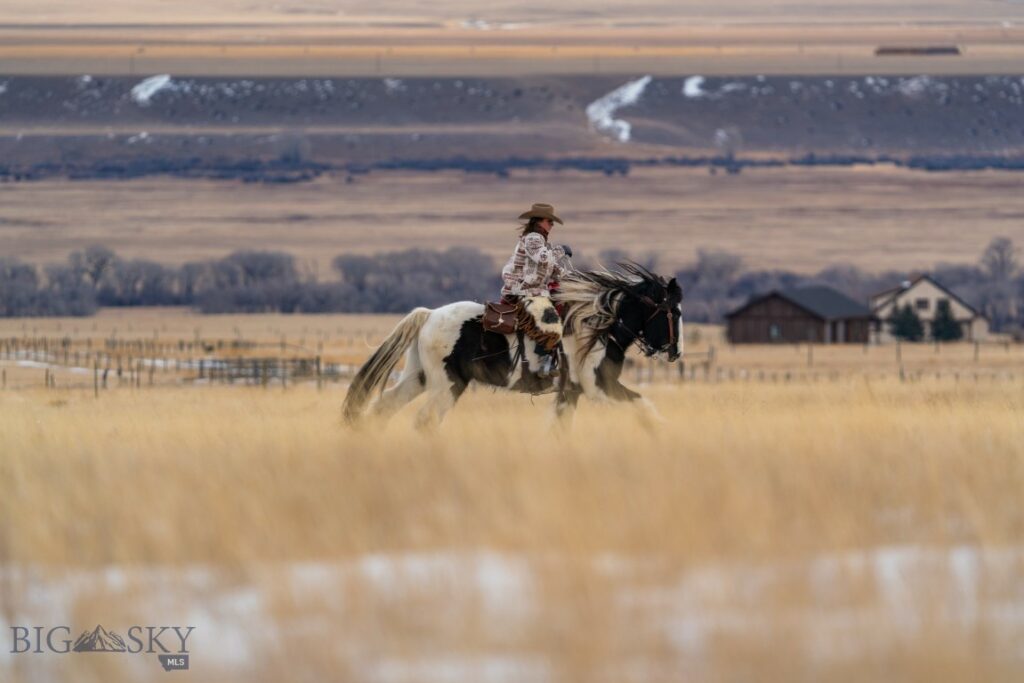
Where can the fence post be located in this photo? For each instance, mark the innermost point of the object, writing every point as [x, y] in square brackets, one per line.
[96, 379]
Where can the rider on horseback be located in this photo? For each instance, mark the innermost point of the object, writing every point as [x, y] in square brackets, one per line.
[536, 266]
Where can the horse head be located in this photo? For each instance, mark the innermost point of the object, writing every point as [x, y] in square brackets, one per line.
[651, 312]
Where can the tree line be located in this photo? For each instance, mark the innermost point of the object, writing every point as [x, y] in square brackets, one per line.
[246, 282]
[397, 281]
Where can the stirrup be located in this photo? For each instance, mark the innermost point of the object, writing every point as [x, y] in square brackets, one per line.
[548, 366]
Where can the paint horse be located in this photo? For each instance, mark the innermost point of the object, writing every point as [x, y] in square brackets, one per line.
[604, 313]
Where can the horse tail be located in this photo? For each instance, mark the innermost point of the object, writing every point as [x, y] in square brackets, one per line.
[374, 373]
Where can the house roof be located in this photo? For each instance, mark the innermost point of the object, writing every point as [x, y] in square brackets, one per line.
[818, 300]
[892, 293]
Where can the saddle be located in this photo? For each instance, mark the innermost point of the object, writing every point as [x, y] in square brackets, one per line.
[512, 318]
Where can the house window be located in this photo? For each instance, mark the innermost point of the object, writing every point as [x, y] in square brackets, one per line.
[774, 333]
[921, 304]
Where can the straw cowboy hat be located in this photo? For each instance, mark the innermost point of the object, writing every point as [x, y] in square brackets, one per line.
[541, 211]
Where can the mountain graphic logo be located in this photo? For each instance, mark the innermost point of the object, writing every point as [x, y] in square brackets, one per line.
[99, 640]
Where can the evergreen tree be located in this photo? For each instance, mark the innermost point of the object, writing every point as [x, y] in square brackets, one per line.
[945, 327]
[904, 324]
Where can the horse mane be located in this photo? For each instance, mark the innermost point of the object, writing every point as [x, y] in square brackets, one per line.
[591, 299]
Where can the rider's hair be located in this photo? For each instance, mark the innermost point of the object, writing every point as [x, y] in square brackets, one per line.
[530, 226]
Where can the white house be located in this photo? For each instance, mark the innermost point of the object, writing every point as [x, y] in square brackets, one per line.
[924, 294]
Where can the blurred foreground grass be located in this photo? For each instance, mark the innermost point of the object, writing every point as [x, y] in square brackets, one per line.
[740, 477]
[232, 475]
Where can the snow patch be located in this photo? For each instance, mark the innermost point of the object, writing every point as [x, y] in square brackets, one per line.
[600, 112]
[144, 91]
[693, 86]
[393, 85]
[914, 87]
[846, 606]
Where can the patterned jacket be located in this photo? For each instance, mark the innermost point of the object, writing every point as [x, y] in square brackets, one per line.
[532, 266]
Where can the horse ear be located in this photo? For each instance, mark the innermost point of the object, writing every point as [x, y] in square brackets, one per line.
[673, 286]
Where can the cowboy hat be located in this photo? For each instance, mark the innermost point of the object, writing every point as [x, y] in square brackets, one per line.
[541, 211]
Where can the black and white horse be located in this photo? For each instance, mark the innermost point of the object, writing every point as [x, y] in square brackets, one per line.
[447, 348]
[605, 313]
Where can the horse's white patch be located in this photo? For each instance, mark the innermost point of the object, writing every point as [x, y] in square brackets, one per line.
[600, 111]
[441, 331]
[585, 373]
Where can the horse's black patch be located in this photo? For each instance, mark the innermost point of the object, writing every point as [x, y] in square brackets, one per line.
[485, 357]
[422, 377]
[608, 371]
[478, 355]
[550, 316]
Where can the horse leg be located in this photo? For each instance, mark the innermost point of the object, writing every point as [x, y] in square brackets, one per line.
[606, 386]
[568, 395]
[402, 393]
[565, 404]
[410, 385]
[439, 402]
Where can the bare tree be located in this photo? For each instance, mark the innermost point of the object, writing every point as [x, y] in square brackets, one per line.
[1000, 259]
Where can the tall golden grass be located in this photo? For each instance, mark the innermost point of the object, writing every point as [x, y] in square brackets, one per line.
[739, 476]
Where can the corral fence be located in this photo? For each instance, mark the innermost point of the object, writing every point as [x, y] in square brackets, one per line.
[140, 362]
[137, 363]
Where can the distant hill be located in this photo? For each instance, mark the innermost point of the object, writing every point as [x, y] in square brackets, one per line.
[86, 121]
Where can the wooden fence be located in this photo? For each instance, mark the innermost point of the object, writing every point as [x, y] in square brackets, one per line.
[138, 363]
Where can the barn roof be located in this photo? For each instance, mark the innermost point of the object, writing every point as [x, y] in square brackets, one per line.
[818, 300]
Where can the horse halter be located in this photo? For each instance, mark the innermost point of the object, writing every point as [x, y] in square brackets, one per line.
[638, 337]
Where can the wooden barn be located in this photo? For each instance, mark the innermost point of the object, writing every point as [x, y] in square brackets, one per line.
[814, 314]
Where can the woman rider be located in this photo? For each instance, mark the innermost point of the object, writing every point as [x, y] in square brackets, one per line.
[535, 266]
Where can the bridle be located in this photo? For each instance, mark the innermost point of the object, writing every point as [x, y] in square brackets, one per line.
[638, 337]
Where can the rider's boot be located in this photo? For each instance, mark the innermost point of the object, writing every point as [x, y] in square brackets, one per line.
[548, 363]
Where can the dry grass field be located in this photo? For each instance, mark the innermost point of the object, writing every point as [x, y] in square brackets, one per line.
[800, 514]
[845, 531]
[799, 219]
